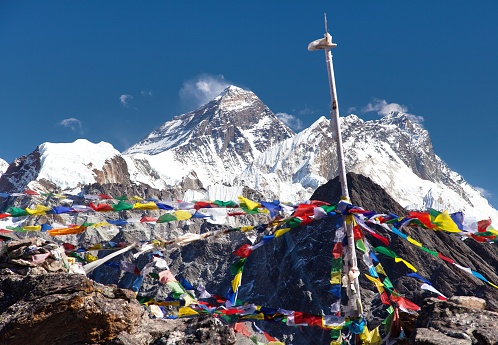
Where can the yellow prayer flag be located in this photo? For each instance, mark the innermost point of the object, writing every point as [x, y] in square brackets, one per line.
[182, 215]
[251, 205]
[409, 265]
[276, 343]
[371, 337]
[280, 232]
[236, 281]
[90, 258]
[246, 228]
[136, 198]
[380, 269]
[39, 210]
[188, 299]
[258, 316]
[336, 278]
[32, 227]
[99, 224]
[445, 223]
[186, 311]
[413, 241]
[145, 206]
[376, 281]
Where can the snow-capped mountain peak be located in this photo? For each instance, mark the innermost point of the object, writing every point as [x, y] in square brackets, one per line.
[235, 141]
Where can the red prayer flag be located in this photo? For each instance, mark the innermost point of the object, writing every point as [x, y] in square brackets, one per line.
[318, 203]
[30, 192]
[269, 337]
[304, 318]
[482, 225]
[146, 219]
[337, 250]
[384, 298]
[445, 258]
[357, 232]
[101, 207]
[105, 196]
[202, 204]
[244, 251]
[304, 210]
[384, 240]
[423, 217]
[239, 327]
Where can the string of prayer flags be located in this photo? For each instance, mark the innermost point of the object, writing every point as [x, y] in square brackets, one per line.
[388, 252]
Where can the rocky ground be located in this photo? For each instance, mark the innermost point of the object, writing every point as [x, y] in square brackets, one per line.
[43, 300]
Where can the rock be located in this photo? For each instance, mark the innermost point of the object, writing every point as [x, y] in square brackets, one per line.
[469, 302]
[451, 323]
[63, 308]
[425, 336]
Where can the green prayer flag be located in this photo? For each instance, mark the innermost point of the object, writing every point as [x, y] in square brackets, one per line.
[387, 323]
[329, 208]
[225, 203]
[178, 290]
[361, 246]
[122, 197]
[18, 229]
[386, 251]
[335, 334]
[429, 251]
[387, 284]
[294, 222]
[167, 217]
[336, 265]
[17, 212]
[238, 266]
[248, 211]
[122, 206]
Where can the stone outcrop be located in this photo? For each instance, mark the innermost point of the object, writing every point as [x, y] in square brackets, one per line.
[39, 306]
[460, 320]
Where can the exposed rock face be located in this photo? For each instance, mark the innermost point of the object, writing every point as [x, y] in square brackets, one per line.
[292, 272]
[457, 321]
[115, 170]
[232, 130]
[22, 171]
[65, 308]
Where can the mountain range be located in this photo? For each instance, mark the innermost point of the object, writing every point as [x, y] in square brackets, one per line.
[236, 141]
[231, 146]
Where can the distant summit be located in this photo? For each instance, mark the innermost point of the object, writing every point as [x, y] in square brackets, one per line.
[235, 142]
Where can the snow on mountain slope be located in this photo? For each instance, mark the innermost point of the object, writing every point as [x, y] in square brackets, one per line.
[217, 140]
[3, 166]
[71, 164]
[235, 141]
[394, 152]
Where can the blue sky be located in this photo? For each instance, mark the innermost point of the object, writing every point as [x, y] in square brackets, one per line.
[116, 70]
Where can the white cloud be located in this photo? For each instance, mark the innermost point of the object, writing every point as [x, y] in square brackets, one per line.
[71, 123]
[382, 108]
[307, 111]
[124, 99]
[200, 90]
[484, 192]
[147, 93]
[290, 120]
